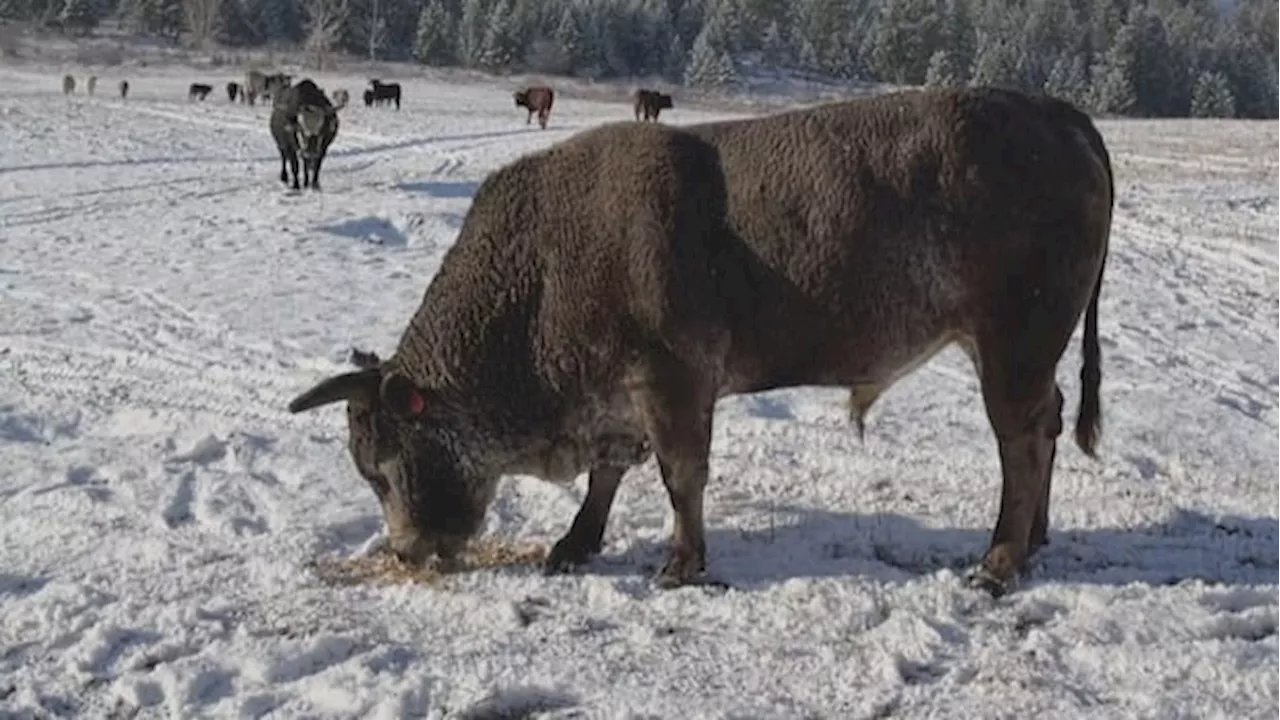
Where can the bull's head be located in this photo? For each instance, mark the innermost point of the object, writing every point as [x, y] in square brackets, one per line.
[310, 129]
[403, 442]
[521, 97]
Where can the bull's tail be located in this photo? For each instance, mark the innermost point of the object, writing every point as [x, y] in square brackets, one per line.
[1089, 417]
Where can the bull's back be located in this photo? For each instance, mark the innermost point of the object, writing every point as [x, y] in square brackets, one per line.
[866, 232]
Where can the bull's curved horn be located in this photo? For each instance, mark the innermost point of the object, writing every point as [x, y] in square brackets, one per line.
[360, 385]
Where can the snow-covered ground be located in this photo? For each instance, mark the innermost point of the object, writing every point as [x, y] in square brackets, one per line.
[162, 297]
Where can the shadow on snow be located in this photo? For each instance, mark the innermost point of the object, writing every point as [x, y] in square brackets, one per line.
[376, 230]
[889, 547]
[440, 189]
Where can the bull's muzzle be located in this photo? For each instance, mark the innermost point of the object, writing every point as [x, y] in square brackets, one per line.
[416, 549]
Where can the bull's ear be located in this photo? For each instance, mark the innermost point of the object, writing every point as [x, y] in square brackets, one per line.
[401, 396]
[364, 360]
[361, 386]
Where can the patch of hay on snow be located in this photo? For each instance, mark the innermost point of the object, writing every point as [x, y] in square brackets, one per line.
[386, 569]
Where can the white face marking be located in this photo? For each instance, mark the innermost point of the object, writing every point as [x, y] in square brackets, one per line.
[311, 120]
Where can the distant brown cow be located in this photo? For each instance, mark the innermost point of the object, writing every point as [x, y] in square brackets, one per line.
[537, 99]
[68, 84]
[650, 103]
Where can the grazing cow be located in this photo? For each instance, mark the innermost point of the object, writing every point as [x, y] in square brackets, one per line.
[650, 103]
[233, 90]
[124, 89]
[340, 98]
[91, 85]
[604, 293]
[198, 91]
[536, 100]
[68, 84]
[384, 93]
[303, 123]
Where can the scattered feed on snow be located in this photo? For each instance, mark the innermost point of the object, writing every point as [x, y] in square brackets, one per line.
[382, 567]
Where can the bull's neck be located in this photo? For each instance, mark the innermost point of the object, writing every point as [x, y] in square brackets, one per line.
[471, 338]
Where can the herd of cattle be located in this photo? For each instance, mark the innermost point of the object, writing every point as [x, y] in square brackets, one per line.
[304, 120]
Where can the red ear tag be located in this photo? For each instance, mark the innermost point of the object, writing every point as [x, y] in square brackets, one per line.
[416, 404]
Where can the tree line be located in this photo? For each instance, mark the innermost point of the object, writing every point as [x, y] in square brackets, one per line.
[1153, 58]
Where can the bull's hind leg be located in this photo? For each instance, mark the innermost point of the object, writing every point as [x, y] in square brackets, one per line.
[1025, 409]
[1040, 524]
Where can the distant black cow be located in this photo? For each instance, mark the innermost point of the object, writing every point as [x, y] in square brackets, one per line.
[537, 99]
[650, 103]
[383, 93]
[198, 91]
[233, 90]
[124, 89]
[303, 123]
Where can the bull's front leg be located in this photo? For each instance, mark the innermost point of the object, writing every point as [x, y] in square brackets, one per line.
[315, 172]
[676, 406]
[586, 534]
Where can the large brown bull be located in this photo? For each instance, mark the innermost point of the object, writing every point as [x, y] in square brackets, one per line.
[604, 293]
[649, 103]
[537, 99]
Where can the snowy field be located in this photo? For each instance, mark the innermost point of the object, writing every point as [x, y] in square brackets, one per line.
[162, 297]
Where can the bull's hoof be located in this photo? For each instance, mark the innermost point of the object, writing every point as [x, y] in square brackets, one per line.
[568, 553]
[983, 579]
[682, 569]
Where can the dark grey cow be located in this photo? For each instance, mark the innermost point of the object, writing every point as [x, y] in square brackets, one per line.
[303, 124]
[602, 295]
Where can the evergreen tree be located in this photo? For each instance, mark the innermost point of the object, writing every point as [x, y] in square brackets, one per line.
[956, 35]
[1113, 87]
[996, 65]
[905, 35]
[498, 49]
[434, 43]
[1067, 80]
[709, 66]
[1211, 97]
[774, 45]
[568, 36]
[471, 32]
[79, 16]
[943, 71]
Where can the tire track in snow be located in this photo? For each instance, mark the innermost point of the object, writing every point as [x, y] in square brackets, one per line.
[113, 378]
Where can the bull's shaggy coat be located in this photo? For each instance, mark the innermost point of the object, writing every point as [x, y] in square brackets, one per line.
[604, 293]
